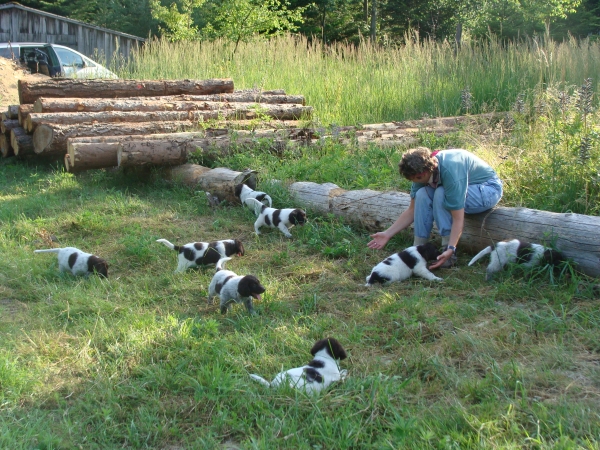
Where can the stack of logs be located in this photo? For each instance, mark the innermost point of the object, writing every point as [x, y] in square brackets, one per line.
[93, 124]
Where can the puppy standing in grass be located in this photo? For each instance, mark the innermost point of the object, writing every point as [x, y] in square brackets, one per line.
[197, 254]
[231, 287]
[77, 262]
[402, 265]
[276, 218]
[244, 192]
[317, 374]
[516, 251]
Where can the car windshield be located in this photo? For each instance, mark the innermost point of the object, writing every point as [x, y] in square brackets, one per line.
[69, 58]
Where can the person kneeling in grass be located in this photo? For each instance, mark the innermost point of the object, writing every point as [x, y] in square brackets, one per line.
[446, 185]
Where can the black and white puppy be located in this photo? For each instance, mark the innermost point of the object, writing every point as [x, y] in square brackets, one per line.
[231, 287]
[276, 218]
[403, 265]
[244, 192]
[317, 374]
[197, 254]
[516, 251]
[78, 262]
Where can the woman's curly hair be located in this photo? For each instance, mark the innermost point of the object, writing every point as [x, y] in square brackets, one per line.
[416, 161]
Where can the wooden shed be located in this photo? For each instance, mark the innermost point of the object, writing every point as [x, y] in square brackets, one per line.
[19, 23]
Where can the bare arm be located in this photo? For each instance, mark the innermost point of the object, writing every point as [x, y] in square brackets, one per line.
[458, 222]
[404, 220]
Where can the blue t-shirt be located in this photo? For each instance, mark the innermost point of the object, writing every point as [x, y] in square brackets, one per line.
[457, 170]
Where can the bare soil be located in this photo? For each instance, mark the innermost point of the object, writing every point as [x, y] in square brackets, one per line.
[10, 73]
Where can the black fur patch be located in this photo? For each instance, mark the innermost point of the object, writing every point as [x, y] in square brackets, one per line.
[250, 286]
[199, 246]
[553, 257]
[387, 261]
[376, 278]
[211, 255]
[219, 286]
[276, 218]
[312, 375]
[298, 217]
[428, 251]
[238, 189]
[188, 253]
[316, 364]
[97, 265]
[72, 259]
[408, 259]
[267, 220]
[260, 197]
[524, 252]
[333, 347]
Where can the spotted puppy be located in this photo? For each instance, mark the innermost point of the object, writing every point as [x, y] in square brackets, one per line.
[197, 254]
[403, 265]
[276, 218]
[317, 374]
[244, 192]
[77, 262]
[516, 251]
[234, 288]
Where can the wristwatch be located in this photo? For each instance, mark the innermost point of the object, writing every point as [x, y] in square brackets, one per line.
[451, 247]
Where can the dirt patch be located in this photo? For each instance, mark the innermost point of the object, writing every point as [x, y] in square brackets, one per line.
[10, 74]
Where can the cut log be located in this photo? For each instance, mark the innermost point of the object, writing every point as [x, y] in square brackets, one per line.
[195, 111]
[573, 234]
[142, 153]
[21, 142]
[53, 105]
[23, 111]
[30, 91]
[88, 156]
[219, 182]
[52, 139]
[7, 125]
[5, 147]
[12, 112]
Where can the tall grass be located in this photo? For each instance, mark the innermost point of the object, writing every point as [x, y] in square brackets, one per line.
[349, 85]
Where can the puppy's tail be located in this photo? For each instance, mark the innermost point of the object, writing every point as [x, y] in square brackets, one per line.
[221, 262]
[268, 198]
[481, 254]
[49, 250]
[260, 379]
[255, 204]
[168, 244]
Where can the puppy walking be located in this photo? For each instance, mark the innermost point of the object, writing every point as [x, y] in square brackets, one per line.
[244, 192]
[231, 287]
[197, 254]
[516, 251]
[77, 262]
[317, 374]
[402, 265]
[276, 218]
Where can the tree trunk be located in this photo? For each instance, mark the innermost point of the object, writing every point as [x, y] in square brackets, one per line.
[53, 105]
[52, 138]
[23, 111]
[574, 234]
[30, 91]
[219, 182]
[5, 147]
[147, 153]
[373, 21]
[164, 112]
[7, 125]
[12, 112]
[21, 142]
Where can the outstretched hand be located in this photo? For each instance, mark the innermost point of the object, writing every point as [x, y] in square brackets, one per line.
[442, 259]
[379, 240]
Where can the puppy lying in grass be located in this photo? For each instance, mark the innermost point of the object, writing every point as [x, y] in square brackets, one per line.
[317, 374]
[516, 251]
[402, 265]
[276, 218]
[197, 254]
[231, 288]
[77, 262]
[244, 192]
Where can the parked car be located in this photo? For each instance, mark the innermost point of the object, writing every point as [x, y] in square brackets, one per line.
[54, 60]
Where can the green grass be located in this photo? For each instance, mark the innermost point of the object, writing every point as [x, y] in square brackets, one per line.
[141, 361]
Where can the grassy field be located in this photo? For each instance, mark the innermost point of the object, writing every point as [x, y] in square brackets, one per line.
[140, 360]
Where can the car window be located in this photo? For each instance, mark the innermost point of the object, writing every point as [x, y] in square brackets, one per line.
[89, 62]
[69, 58]
[7, 52]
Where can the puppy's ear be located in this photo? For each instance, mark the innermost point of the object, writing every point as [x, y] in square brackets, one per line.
[239, 246]
[298, 217]
[238, 189]
[553, 257]
[332, 346]
[98, 265]
[428, 251]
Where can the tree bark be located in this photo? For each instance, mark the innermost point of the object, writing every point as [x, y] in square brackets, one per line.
[52, 138]
[30, 91]
[573, 234]
[147, 153]
[12, 112]
[53, 105]
[164, 112]
[5, 147]
[21, 142]
[23, 111]
[7, 125]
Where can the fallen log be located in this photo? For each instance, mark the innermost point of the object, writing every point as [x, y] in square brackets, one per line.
[7, 125]
[51, 139]
[5, 147]
[12, 112]
[219, 182]
[573, 234]
[195, 111]
[53, 105]
[21, 142]
[143, 153]
[24, 110]
[68, 166]
[30, 91]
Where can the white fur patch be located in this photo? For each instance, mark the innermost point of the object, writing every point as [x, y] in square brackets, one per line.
[283, 219]
[394, 268]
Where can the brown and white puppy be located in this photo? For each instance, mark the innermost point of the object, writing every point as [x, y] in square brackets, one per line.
[244, 192]
[276, 218]
[402, 265]
[197, 254]
[231, 288]
[516, 251]
[77, 262]
[317, 374]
